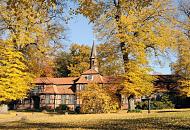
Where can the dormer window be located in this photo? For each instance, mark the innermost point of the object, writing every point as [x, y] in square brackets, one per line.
[89, 77]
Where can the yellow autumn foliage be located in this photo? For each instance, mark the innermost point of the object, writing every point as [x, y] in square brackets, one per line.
[79, 55]
[96, 99]
[185, 87]
[15, 81]
[140, 28]
[26, 29]
[137, 81]
[182, 65]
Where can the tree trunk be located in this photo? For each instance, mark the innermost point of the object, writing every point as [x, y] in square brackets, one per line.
[122, 44]
[131, 103]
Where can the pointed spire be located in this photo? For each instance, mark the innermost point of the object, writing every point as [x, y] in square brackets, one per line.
[93, 60]
[93, 51]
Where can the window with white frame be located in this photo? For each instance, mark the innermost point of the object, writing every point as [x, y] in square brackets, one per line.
[67, 99]
[71, 99]
[89, 77]
[80, 87]
[47, 99]
[63, 99]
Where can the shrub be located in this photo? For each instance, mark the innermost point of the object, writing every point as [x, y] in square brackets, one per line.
[77, 109]
[158, 105]
[142, 105]
[62, 108]
[164, 103]
[167, 102]
[96, 99]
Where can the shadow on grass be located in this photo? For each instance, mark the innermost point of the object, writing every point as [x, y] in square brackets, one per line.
[173, 111]
[142, 123]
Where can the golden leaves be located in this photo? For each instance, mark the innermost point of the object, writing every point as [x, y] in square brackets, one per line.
[139, 26]
[79, 59]
[25, 44]
[137, 80]
[185, 86]
[14, 78]
[90, 8]
[96, 99]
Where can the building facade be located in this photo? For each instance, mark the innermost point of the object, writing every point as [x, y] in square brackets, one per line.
[50, 93]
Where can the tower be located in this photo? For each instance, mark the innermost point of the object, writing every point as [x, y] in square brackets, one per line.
[93, 59]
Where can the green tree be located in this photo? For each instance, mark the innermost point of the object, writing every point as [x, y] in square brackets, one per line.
[62, 61]
[97, 99]
[80, 55]
[75, 61]
[110, 59]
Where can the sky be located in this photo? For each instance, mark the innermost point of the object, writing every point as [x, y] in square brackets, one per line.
[81, 32]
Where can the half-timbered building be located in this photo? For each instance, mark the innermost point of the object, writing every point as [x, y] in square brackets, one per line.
[50, 93]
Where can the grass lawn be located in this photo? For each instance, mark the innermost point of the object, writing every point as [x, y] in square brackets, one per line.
[164, 119]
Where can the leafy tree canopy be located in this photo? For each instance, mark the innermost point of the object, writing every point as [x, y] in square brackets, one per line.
[14, 77]
[141, 28]
[182, 65]
[29, 35]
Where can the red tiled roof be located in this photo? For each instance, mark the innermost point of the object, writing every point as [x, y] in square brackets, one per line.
[96, 79]
[48, 89]
[90, 71]
[66, 80]
[82, 80]
[111, 79]
[43, 80]
[65, 90]
[48, 80]
[58, 90]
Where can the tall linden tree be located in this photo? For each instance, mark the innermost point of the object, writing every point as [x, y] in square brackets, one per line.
[141, 28]
[27, 31]
[182, 65]
[79, 57]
